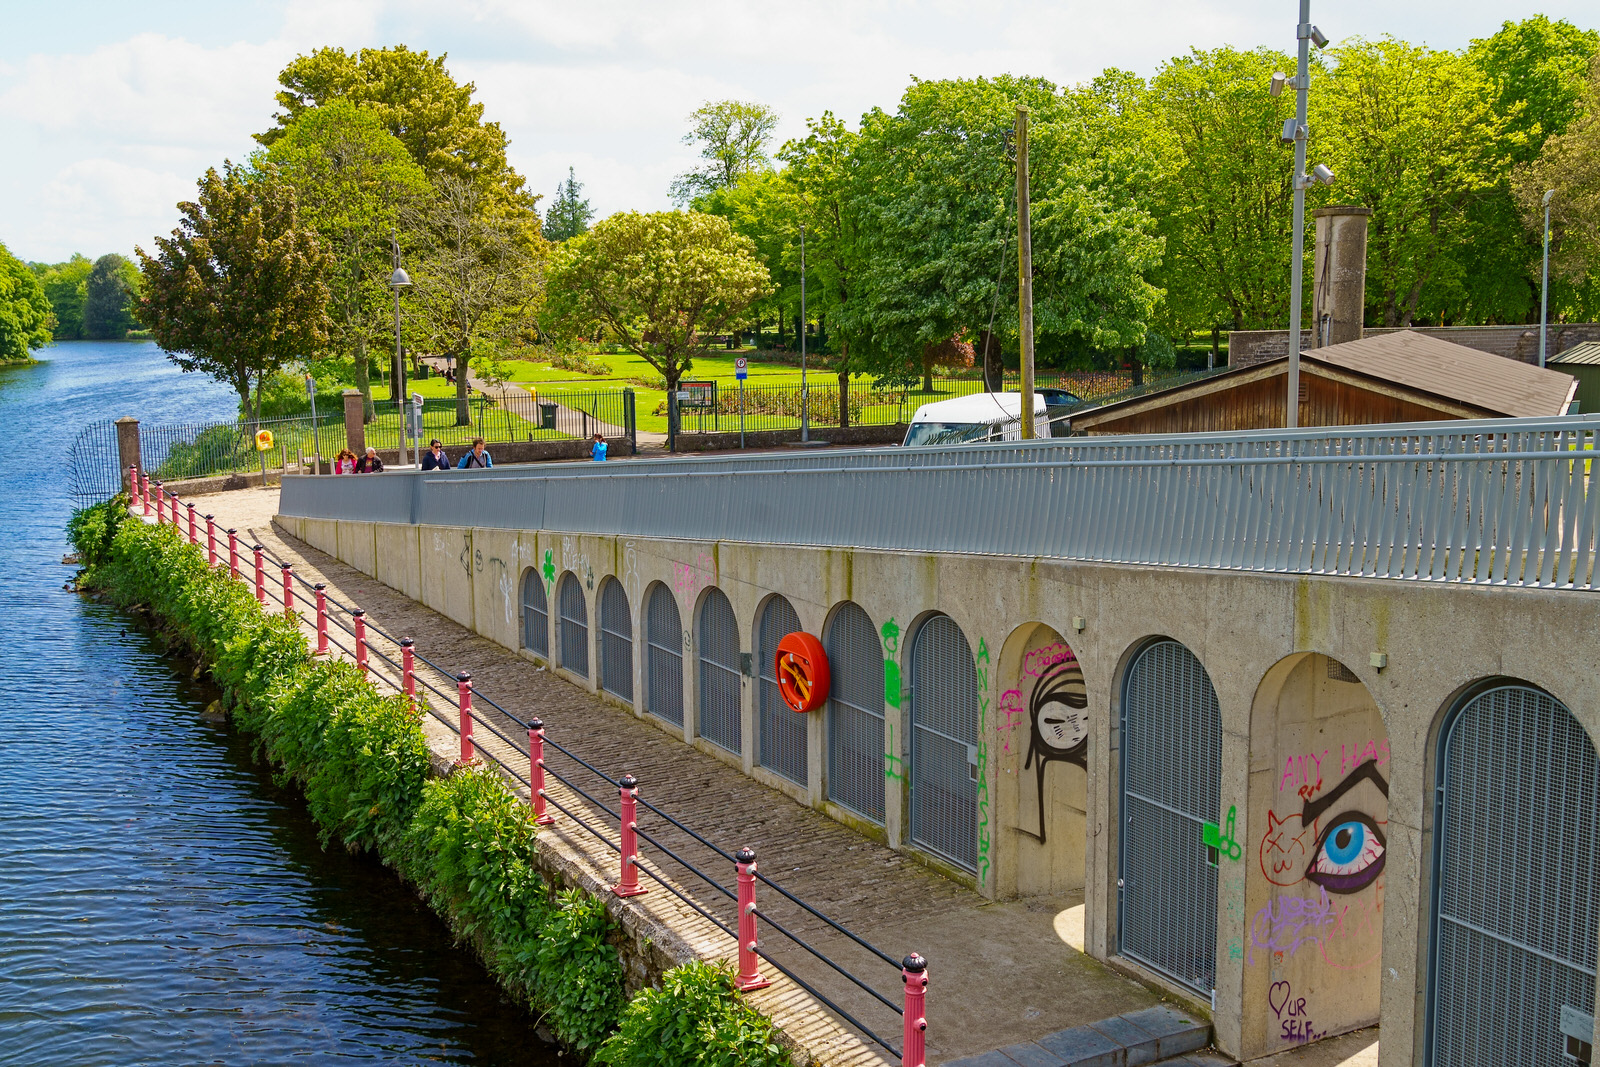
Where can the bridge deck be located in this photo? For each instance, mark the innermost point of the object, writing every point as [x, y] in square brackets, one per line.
[1000, 972]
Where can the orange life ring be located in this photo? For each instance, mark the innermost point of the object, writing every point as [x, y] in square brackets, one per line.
[802, 672]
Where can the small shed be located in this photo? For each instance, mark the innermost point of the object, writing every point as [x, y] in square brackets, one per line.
[1583, 363]
[1397, 377]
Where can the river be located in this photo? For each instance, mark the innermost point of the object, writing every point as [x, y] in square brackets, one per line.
[161, 901]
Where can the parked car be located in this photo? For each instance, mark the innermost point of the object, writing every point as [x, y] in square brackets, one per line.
[978, 417]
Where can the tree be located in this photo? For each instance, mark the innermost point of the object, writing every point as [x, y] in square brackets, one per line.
[569, 213]
[110, 292]
[733, 136]
[354, 179]
[25, 318]
[1569, 165]
[415, 98]
[478, 273]
[660, 283]
[238, 290]
[64, 286]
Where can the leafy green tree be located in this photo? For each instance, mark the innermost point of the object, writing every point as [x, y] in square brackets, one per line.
[733, 136]
[659, 283]
[479, 272]
[353, 179]
[239, 288]
[64, 286]
[110, 292]
[417, 100]
[25, 318]
[1569, 168]
[569, 213]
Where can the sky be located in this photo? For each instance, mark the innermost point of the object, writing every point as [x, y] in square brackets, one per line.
[109, 111]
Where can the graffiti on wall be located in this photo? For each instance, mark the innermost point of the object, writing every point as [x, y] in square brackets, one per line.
[891, 663]
[1295, 1024]
[983, 762]
[1058, 714]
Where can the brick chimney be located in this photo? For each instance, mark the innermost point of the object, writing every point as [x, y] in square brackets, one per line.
[1339, 284]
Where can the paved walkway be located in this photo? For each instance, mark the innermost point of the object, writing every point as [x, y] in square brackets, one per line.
[999, 973]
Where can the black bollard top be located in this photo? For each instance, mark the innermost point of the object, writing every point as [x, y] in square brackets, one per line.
[463, 677]
[231, 531]
[210, 517]
[319, 586]
[286, 566]
[357, 614]
[536, 723]
[257, 548]
[629, 782]
[406, 642]
[745, 855]
[914, 963]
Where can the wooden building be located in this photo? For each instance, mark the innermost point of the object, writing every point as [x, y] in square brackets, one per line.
[1582, 362]
[1397, 377]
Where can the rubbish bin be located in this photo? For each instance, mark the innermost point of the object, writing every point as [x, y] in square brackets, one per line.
[547, 414]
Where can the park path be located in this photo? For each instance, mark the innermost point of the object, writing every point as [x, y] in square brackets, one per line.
[999, 972]
[522, 403]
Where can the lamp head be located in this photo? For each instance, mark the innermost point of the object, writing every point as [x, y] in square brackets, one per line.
[1320, 173]
[1549, 195]
[1279, 79]
[399, 278]
[1319, 38]
[1291, 130]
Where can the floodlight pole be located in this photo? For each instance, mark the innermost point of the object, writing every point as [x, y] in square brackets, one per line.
[1544, 285]
[397, 281]
[1024, 273]
[1302, 85]
[805, 401]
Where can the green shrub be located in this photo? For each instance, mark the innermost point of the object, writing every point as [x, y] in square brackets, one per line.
[579, 973]
[696, 1019]
[579, 362]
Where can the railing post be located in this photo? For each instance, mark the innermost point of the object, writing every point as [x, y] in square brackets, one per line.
[749, 963]
[408, 673]
[629, 886]
[194, 537]
[914, 973]
[288, 589]
[161, 511]
[322, 619]
[133, 483]
[233, 554]
[211, 542]
[172, 504]
[536, 772]
[144, 491]
[261, 578]
[359, 618]
[464, 691]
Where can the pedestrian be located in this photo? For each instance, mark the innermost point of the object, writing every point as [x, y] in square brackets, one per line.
[344, 462]
[478, 457]
[369, 463]
[435, 459]
[598, 449]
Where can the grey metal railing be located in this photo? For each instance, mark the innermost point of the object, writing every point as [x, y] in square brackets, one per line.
[1504, 501]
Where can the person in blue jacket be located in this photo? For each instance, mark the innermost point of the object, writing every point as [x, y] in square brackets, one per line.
[598, 449]
[435, 459]
[478, 457]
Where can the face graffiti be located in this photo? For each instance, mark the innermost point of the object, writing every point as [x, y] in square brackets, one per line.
[1058, 706]
[1349, 854]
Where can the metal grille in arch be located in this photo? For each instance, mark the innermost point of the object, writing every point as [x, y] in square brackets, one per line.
[535, 615]
[855, 713]
[574, 627]
[1517, 852]
[944, 742]
[1171, 787]
[616, 641]
[781, 732]
[663, 656]
[719, 672]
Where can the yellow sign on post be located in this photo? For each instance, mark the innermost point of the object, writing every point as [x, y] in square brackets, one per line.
[263, 440]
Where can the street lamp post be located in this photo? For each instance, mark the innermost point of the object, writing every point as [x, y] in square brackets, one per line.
[397, 281]
[1544, 285]
[1295, 131]
[805, 400]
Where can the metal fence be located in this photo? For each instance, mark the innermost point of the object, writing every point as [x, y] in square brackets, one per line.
[1499, 501]
[565, 413]
[780, 733]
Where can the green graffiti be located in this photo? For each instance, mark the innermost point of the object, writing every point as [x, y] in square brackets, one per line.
[983, 762]
[891, 762]
[1215, 837]
[891, 665]
[549, 567]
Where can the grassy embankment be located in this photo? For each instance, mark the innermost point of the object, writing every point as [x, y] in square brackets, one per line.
[464, 841]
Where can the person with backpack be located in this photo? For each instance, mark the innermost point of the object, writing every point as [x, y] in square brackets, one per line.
[478, 457]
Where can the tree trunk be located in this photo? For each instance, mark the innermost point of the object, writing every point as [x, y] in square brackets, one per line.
[364, 382]
[844, 385]
[1138, 371]
[1216, 350]
[673, 375]
[994, 373]
[927, 375]
[463, 412]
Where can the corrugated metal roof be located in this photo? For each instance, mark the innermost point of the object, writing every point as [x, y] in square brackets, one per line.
[1417, 361]
[1586, 353]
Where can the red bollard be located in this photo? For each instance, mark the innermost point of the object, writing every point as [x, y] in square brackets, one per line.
[359, 618]
[322, 620]
[194, 536]
[161, 511]
[408, 672]
[211, 542]
[749, 963]
[261, 583]
[172, 506]
[536, 773]
[464, 688]
[629, 886]
[288, 589]
[133, 483]
[914, 973]
[144, 491]
[233, 554]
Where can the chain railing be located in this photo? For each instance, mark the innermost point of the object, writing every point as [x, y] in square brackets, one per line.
[274, 581]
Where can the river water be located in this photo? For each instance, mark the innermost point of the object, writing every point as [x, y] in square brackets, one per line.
[161, 902]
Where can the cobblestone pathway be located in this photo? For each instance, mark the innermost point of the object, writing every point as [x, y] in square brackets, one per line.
[998, 972]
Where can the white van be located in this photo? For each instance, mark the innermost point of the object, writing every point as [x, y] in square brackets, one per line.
[978, 417]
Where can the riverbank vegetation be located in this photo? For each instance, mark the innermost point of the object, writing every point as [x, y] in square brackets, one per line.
[465, 841]
[25, 318]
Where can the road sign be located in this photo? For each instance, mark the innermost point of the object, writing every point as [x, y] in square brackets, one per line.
[741, 367]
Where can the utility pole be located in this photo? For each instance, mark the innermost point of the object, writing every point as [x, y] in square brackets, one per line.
[805, 400]
[1302, 83]
[1544, 286]
[1024, 273]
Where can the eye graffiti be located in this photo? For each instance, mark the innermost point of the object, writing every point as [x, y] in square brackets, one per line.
[1058, 708]
[1349, 854]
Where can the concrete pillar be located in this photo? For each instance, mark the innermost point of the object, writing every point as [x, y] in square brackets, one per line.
[355, 427]
[127, 448]
[1339, 285]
